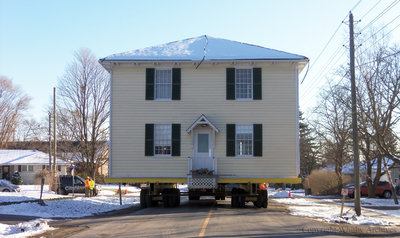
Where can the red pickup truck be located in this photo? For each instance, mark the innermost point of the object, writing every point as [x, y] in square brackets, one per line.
[382, 190]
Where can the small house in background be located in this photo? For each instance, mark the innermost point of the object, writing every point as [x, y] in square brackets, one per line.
[348, 171]
[29, 163]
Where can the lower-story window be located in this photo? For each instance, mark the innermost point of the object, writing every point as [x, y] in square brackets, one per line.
[244, 140]
[162, 139]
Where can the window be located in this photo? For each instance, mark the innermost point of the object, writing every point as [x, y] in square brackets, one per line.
[162, 140]
[244, 140]
[25, 168]
[163, 84]
[243, 83]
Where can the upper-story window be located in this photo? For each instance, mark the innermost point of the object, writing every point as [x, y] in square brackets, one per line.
[244, 140]
[162, 139]
[243, 84]
[163, 84]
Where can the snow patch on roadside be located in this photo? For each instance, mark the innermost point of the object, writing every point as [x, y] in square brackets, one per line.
[25, 229]
[332, 214]
[70, 208]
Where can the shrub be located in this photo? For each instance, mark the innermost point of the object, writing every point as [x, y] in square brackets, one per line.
[323, 182]
[17, 181]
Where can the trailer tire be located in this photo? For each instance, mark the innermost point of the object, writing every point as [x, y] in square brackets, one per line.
[264, 197]
[166, 197]
[177, 197]
[145, 197]
[242, 198]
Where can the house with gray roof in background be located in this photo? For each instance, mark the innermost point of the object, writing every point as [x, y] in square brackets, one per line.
[29, 163]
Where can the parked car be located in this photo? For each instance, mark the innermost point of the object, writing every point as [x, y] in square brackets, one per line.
[7, 186]
[382, 190]
[79, 185]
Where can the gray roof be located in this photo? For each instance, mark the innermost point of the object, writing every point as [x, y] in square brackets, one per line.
[207, 47]
[26, 157]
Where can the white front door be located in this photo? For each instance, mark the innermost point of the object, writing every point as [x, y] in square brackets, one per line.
[203, 149]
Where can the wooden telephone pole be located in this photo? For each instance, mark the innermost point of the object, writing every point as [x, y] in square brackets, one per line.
[357, 203]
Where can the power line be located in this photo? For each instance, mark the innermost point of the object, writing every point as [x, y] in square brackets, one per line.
[384, 36]
[370, 9]
[372, 61]
[394, 3]
[323, 69]
[380, 29]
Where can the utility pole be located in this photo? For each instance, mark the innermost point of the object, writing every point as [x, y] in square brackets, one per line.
[357, 203]
[54, 133]
[50, 141]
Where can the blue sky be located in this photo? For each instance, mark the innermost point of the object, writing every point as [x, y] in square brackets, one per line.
[38, 38]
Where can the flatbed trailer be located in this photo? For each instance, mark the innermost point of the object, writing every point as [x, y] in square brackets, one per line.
[241, 190]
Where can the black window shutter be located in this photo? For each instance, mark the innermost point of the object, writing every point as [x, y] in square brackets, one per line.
[176, 140]
[257, 137]
[230, 139]
[176, 84]
[149, 84]
[149, 140]
[230, 84]
[257, 87]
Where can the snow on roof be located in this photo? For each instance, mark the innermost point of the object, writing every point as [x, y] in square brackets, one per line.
[17, 157]
[207, 47]
[349, 167]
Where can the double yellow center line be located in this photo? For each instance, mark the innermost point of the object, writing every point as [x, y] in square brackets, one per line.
[205, 223]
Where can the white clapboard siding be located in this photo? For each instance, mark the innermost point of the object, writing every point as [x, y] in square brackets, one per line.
[203, 91]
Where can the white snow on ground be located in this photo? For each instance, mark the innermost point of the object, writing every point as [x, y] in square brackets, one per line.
[296, 201]
[25, 229]
[28, 192]
[329, 210]
[112, 189]
[69, 208]
[332, 214]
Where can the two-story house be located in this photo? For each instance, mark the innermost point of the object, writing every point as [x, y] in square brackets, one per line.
[204, 111]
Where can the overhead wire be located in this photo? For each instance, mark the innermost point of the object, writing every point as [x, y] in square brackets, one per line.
[380, 29]
[394, 3]
[311, 85]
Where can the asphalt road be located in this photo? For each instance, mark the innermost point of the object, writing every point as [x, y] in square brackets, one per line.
[208, 219]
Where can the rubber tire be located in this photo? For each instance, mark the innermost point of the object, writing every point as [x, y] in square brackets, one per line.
[177, 197]
[6, 190]
[262, 199]
[242, 201]
[144, 197]
[387, 194]
[62, 191]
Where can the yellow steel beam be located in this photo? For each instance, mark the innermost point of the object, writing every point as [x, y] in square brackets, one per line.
[220, 180]
[260, 180]
[146, 180]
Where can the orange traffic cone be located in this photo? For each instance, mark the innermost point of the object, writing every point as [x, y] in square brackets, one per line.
[126, 191]
[290, 195]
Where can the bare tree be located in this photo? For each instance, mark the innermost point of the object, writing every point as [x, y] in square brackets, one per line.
[378, 96]
[334, 127]
[84, 109]
[13, 102]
